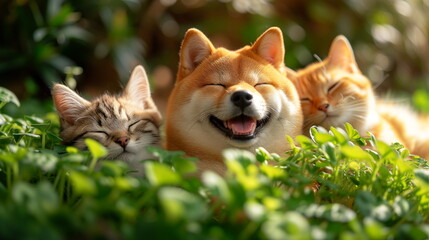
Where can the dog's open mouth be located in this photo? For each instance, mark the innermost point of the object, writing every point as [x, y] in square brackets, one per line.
[241, 127]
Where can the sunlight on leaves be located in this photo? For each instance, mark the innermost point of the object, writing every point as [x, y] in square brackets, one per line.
[95, 148]
[159, 174]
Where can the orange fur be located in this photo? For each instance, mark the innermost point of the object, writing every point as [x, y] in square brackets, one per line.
[334, 92]
[206, 80]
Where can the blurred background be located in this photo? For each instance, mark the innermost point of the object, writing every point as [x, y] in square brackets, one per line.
[92, 46]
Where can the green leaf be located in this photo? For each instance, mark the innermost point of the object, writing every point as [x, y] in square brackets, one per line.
[83, 184]
[35, 120]
[113, 168]
[322, 138]
[262, 155]
[45, 161]
[165, 156]
[245, 158]
[332, 212]
[386, 151]
[375, 229]
[179, 204]
[272, 172]
[184, 165]
[355, 152]
[61, 17]
[7, 96]
[255, 211]
[329, 150]
[160, 174]
[217, 186]
[305, 142]
[26, 134]
[40, 199]
[421, 100]
[401, 206]
[339, 135]
[95, 148]
[371, 206]
[53, 137]
[71, 149]
[351, 132]
[126, 183]
[289, 225]
[422, 174]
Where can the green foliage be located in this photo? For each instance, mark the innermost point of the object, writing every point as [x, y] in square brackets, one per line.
[43, 40]
[36, 37]
[421, 100]
[334, 185]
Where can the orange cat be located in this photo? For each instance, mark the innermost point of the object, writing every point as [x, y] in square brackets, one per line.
[334, 92]
[231, 99]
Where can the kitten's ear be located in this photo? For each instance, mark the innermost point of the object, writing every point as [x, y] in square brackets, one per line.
[341, 55]
[138, 88]
[195, 48]
[270, 46]
[68, 103]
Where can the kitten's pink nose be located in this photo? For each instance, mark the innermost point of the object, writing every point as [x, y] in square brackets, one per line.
[122, 141]
[324, 107]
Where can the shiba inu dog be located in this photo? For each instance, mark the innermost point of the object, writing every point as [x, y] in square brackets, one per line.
[231, 99]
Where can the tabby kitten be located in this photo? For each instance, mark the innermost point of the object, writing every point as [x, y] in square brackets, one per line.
[124, 124]
[334, 92]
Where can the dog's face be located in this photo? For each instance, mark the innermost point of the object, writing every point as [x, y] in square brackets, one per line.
[232, 98]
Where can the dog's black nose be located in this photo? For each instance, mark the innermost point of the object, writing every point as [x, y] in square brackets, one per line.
[241, 99]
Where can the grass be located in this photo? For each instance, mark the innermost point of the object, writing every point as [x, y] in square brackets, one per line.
[328, 187]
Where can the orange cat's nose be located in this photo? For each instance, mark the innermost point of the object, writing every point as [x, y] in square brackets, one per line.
[122, 141]
[324, 107]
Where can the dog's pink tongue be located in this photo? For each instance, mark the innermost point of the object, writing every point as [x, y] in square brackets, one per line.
[241, 125]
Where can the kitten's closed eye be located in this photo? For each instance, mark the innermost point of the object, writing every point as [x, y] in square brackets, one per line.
[138, 125]
[333, 86]
[99, 132]
[96, 135]
[305, 99]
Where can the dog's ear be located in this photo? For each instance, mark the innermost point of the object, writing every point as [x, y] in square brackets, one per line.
[195, 48]
[270, 47]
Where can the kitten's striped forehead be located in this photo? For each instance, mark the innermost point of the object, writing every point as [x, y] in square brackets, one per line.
[313, 80]
[107, 107]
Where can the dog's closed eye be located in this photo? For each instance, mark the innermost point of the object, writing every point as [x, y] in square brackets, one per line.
[261, 84]
[215, 84]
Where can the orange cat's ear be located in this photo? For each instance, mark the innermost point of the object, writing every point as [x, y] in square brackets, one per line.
[195, 48]
[341, 55]
[68, 103]
[138, 88]
[270, 46]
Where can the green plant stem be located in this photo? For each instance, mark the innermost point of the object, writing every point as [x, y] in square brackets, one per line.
[36, 13]
[43, 140]
[403, 219]
[146, 197]
[92, 164]
[15, 169]
[249, 231]
[9, 177]
[59, 183]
